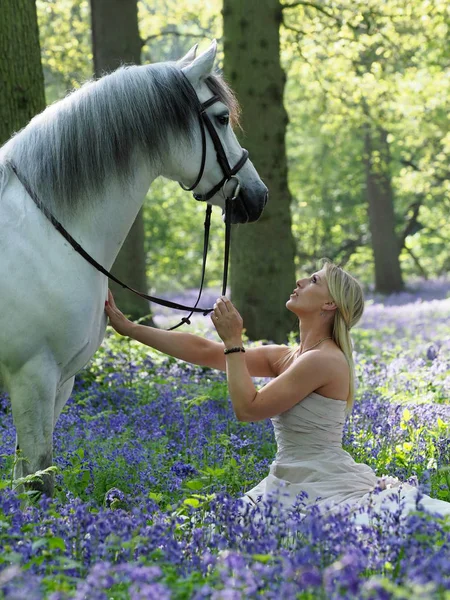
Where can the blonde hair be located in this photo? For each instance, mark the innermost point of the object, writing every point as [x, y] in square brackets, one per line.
[348, 296]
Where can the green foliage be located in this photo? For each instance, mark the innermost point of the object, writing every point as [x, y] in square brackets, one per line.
[174, 239]
[36, 477]
[76, 475]
[348, 63]
[64, 27]
[169, 28]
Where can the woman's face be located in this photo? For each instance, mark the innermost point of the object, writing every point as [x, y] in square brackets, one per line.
[310, 296]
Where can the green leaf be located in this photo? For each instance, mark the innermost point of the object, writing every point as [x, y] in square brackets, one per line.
[195, 484]
[192, 502]
[156, 496]
[56, 543]
[406, 415]
[262, 558]
[39, 543]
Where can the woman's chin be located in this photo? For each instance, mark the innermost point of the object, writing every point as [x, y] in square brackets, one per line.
[290, 304]
[293, 306]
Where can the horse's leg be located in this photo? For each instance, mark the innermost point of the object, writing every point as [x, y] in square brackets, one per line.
[61, 398]
[32, 392]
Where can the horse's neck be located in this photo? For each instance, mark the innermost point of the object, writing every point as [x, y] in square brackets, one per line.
[102, 229]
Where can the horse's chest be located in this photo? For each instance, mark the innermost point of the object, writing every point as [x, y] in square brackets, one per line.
[51, 300]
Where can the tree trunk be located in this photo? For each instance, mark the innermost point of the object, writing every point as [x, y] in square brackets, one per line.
[262, 257]
[116, 41]
[380, 200]
[21, 76]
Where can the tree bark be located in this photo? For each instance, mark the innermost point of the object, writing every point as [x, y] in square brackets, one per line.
[116, 41]
[262, 255]
[21, 76]
[380, 201]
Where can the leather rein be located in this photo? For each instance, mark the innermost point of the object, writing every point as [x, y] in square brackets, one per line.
[229, 175]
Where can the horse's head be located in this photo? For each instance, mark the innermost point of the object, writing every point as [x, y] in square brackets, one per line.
[216, 164]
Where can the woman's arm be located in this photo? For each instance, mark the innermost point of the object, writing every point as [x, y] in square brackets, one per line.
[185, 346]
[307, 374]
[192, 348]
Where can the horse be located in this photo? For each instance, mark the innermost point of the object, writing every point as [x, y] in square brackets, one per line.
[90, 159]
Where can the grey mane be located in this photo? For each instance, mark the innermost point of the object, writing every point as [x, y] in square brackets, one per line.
[69, 152]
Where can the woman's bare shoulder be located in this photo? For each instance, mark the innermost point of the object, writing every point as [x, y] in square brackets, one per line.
[262, 361]
[338, 370]
[282, 358]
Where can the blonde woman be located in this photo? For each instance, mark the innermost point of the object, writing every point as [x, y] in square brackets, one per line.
[310, 392]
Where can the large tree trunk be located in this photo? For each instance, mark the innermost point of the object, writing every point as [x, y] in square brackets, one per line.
[262, 267]
[380, 201]
[116, 41]
[21, 78]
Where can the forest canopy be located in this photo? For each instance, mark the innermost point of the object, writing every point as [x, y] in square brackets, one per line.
[346, 63]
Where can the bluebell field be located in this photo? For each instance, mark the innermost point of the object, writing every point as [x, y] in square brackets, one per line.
[151, 463]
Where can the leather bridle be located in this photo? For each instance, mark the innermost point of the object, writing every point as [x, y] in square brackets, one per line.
[228, 171]
[229, 175]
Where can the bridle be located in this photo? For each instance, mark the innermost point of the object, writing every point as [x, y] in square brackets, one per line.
[229, 175]
[228, 172]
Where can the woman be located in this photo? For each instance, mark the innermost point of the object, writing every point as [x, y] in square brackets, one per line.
[311, 390]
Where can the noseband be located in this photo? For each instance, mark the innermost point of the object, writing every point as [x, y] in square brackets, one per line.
[229, 175]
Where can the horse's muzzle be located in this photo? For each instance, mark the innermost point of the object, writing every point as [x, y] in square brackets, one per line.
[249, 204]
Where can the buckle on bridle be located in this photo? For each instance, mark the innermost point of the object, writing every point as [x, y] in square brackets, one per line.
[236, 190]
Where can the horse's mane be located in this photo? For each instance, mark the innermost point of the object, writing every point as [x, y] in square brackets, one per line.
[70, 151]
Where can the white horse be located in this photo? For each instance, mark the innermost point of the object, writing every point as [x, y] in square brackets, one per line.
[91, 158]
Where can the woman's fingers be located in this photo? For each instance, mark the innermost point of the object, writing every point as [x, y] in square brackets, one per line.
[223, 304]
[227, 303]
[111, 309]
[111, 298]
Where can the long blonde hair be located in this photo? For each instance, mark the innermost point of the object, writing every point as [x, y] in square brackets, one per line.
[348, 295]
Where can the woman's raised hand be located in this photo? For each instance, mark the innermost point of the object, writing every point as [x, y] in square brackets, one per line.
[227, 321]
[117, 319]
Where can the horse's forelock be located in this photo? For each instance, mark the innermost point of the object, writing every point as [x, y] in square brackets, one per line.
[220, 87]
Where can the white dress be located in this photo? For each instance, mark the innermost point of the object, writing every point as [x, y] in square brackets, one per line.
[310, 459]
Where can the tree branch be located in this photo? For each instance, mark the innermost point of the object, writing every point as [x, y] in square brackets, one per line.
[414, 167]
[176, 33]
[348, 248]
[341, 255]
[292, 28]
[417, 262]
[321, 9]
[412, 221]
[409, 163]
[310, 5]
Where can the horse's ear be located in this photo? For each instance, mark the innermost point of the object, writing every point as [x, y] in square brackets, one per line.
[203, 65]
[187, 58]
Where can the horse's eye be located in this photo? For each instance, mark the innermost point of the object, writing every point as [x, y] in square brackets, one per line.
[223, 119]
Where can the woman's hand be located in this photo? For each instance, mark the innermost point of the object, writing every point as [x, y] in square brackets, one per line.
[117, 319]
[227, 321]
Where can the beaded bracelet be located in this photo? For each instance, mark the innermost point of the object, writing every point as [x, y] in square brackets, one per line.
[234, 349]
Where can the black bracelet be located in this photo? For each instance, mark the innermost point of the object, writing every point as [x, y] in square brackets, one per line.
[234, 349]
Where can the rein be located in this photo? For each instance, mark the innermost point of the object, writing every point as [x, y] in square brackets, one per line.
[229, 174]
